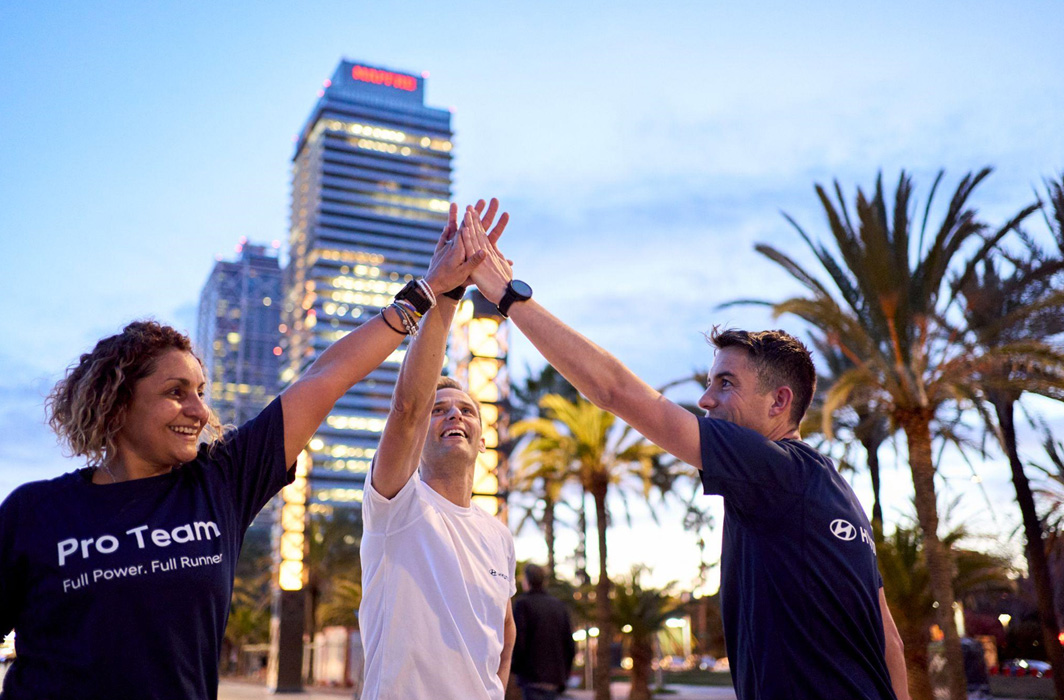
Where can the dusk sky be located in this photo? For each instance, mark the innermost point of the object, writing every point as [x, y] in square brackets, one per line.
[641, 148]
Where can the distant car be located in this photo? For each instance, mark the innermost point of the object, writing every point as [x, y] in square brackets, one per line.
[1025, 667]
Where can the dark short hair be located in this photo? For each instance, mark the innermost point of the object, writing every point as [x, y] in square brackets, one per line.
[779, 359]
[535, 576]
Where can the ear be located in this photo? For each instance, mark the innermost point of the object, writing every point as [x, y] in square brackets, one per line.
[782, 398]
[483, 446]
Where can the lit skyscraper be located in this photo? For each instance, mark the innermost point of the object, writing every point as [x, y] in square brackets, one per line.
[239, 312]
[371, 185]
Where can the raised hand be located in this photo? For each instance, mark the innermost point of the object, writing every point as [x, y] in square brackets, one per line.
[454, 258]
[495, 273]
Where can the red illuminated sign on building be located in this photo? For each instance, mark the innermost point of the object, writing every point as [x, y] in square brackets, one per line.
[383, 77]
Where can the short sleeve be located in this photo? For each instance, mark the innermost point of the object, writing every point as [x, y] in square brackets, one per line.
[252, 461]
[382, 516]
[746, 468]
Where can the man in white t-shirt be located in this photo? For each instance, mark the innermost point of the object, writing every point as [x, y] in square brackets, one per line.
[437, 571]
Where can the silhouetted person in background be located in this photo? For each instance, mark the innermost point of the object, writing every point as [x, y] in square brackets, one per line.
[544, 650]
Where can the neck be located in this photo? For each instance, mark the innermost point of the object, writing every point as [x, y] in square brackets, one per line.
[117, 469]
[455, 486]
[783, 431]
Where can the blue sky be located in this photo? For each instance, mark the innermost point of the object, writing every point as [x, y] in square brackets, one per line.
[641, 148]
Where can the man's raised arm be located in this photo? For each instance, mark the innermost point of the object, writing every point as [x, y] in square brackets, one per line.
[596, 374]
[401, 442]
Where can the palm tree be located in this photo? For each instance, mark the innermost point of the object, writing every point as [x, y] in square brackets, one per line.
[906, 582]
[601, 457]
[332, 556]
[868, 422]
[1000, 310]
[644, 611]
[542, 470]
[888, 323]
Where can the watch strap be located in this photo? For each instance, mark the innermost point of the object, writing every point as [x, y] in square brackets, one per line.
[413, 293]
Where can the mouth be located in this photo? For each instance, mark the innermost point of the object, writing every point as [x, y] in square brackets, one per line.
[454, 432]
[186, 431]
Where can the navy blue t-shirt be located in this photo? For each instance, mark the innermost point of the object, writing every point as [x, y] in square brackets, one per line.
[122, 590]
[799, 582]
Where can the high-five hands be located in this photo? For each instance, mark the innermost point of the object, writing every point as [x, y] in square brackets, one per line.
[456, 254]
[496, 271]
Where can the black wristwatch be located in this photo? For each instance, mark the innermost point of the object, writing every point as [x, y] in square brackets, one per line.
[416, 296]
[516, 290]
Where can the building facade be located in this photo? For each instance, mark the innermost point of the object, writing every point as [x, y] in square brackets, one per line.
[371, 187]
[237, 334]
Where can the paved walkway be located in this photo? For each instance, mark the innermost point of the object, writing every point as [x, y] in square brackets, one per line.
[240, 690]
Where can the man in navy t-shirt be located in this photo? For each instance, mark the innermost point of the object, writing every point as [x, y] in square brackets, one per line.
[804, 610]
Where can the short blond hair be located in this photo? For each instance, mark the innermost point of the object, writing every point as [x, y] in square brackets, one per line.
[445, 382]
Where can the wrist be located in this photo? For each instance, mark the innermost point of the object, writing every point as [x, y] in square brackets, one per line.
[435, 285]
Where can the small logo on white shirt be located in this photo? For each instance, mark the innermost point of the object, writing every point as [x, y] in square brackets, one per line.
[500, 574]
[843, 529]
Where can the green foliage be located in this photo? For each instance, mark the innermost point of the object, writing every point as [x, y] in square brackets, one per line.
[645, 609]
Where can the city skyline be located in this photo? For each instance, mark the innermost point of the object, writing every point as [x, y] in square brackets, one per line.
[641, 152]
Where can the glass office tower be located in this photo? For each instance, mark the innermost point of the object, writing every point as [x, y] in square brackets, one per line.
[239, 312]
[371, 184]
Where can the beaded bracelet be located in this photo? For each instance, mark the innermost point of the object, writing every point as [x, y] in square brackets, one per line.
[424, 286]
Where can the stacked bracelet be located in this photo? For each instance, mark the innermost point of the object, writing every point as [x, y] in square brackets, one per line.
[408, 315]
[389, 323]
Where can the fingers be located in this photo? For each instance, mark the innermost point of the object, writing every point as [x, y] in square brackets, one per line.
[470, 227]
[452, 222]
[496, 232]
[489, 215]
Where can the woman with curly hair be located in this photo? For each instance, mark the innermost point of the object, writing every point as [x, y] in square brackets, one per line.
[117, 577]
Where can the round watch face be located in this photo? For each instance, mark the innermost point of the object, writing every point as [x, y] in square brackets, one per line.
[521, 289]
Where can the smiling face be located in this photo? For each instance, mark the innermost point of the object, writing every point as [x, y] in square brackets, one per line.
[454, 429]
[734, 394]
[165, 417]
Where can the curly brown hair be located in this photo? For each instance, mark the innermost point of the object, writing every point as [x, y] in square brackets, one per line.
[87, 407]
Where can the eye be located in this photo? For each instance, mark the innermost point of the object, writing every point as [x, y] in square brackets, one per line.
[467, 411]
[436, 410]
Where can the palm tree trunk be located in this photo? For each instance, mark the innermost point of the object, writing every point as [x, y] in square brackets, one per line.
[642, 657]
[603, 611]
[917, 426]
[581, 555]
[872, 451]
[548, 533]
[916, 662]
[1036, 553]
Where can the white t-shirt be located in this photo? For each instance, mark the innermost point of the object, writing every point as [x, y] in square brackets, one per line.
[436, 581]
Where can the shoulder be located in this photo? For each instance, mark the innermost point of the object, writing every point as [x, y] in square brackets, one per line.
[801, 451]
[494, 523]
[36, 491]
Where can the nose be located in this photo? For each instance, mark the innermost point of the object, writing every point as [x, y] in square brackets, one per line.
[707, 401]
[197, 408]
